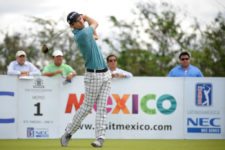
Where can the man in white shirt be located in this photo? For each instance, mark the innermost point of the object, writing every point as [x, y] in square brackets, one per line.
[21, 67]
[116, 72]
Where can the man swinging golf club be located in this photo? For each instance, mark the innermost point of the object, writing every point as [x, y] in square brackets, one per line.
[97, 79]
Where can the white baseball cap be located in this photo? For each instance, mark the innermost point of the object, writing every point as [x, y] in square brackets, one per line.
[57, 53]
[20, 53]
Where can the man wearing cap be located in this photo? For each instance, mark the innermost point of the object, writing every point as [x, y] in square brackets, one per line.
[21, 67]
[97, 79]
[58, 68]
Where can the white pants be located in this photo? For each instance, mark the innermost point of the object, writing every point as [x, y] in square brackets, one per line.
[97, 90]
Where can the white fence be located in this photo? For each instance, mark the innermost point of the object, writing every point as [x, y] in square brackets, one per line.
[138, 108]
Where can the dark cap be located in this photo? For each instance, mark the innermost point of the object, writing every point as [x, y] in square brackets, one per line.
[72, 17]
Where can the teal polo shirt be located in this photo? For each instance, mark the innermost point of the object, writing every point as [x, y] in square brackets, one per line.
[88, 47]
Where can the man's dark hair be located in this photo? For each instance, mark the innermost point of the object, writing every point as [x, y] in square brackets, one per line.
[111, 55]
[184, 53]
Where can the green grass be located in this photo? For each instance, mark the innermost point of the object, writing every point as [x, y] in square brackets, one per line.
[80, 144]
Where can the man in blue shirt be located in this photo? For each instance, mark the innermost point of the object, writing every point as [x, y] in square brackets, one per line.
[185, 69]
[97, 79]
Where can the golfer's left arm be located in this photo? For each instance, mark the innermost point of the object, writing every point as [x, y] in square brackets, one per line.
[93, 23]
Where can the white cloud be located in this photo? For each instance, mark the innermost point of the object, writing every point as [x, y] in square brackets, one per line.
[21, 6]
[13, 12]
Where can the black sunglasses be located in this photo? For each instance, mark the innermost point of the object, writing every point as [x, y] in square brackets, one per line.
[112, 60]
[184, 59]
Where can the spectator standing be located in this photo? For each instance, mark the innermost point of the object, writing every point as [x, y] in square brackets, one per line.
[185, 69]
[116, 72]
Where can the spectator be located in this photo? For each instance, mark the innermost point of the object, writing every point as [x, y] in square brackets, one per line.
[185, 69]
[21, 67]
[58, 68]
[116, 72]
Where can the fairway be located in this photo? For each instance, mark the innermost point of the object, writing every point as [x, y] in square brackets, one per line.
[81, 144]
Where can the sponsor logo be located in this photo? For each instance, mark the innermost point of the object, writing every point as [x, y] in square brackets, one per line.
[37, 132]
[165, 104]
[203, 94]
[38, 83]
[30, 132]
[204, 125]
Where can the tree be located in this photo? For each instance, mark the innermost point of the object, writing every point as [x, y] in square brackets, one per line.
[212, 51]
[31, 41]
[48, 33]
[155, 30]
[139, 62]
[11, 44]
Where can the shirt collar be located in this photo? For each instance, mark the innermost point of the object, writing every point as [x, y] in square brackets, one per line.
[180, 67]
[25, 63]
[75, 31]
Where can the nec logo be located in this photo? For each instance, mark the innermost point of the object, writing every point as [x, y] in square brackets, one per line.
[203, 125]
[203, 122]
[203, 94]
[37, 132]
